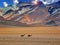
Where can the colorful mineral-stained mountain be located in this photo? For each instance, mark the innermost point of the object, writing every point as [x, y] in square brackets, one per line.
[26, 14]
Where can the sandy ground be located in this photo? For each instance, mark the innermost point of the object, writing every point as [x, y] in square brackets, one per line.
[12, 35]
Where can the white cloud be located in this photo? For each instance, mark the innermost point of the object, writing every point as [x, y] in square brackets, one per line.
[49, 1]
[15, 1]
[45, 2]
[5, 4]
[35, 1]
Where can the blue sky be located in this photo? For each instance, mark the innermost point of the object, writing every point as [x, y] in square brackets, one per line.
[11, 2]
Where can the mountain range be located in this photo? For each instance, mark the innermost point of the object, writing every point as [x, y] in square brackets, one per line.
[29, 14]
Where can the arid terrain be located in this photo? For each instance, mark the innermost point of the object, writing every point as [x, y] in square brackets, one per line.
[29, 35]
